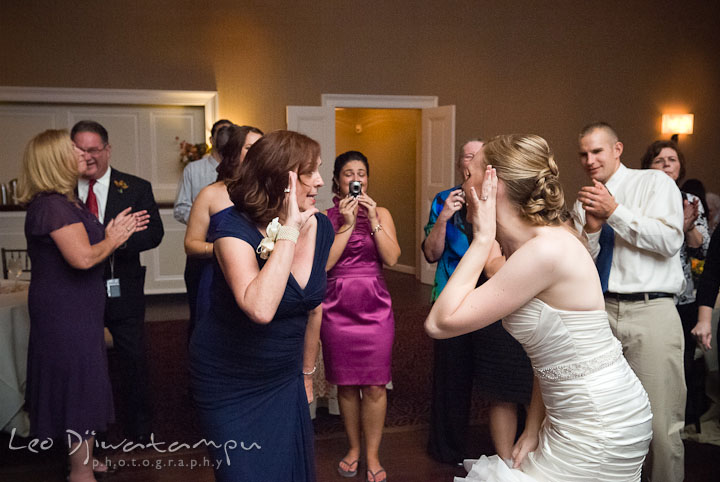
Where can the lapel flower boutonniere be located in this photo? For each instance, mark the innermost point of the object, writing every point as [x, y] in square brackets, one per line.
[120, 185]
[268, 242]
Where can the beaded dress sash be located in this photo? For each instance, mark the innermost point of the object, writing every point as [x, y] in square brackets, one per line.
[581, 369]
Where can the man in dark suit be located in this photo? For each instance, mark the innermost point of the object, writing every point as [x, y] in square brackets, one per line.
[106, 192]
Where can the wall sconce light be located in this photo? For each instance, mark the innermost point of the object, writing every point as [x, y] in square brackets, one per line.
[675, 124]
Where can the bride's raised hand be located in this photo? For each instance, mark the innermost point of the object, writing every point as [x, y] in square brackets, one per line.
[481, 209]
[293, 216]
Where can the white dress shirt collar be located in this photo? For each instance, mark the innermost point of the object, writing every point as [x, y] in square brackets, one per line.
[101, 188]
[617, 178]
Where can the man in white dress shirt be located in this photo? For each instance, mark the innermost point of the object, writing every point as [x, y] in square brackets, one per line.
[197, 175]
[644, 209]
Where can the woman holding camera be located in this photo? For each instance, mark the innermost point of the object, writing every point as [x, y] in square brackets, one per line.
[358, 324]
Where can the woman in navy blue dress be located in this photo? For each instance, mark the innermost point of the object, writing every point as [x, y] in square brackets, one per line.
[253, 354]
[68, 387]
[211, 205]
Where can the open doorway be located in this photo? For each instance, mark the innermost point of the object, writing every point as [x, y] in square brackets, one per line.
[435, 153]
[388, 137]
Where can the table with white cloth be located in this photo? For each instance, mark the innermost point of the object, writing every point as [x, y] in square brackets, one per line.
[14, 336]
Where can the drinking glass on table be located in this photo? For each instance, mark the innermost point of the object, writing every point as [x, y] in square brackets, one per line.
[15, 269]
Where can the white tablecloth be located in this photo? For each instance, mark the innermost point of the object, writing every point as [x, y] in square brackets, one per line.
[14, 336]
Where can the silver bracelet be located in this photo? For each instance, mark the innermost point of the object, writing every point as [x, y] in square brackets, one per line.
[376, 229]
[307, 374]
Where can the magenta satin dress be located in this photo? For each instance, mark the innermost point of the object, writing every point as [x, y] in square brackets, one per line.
[358, 326]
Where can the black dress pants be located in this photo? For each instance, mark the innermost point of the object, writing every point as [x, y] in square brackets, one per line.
[133, 387]
[694, 372]
[453, 373]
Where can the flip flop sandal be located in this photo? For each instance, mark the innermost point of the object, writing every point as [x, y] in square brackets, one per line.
[348, 473]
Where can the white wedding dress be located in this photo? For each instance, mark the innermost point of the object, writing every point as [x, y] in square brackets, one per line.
[597, 423]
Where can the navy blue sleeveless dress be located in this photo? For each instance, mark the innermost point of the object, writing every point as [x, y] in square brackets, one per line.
[202, 304]
[247, 378]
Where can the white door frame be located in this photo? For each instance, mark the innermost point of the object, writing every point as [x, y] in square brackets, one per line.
[388, 102]
[379, 101]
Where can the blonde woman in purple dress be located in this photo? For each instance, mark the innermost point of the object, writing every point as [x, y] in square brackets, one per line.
[358, 325]
[68, 392]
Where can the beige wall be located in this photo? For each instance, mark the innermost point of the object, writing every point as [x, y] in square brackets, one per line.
[389, 141]
[517, 66]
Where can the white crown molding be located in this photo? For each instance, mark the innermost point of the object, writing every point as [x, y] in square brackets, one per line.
[379, 101]
[61, 95]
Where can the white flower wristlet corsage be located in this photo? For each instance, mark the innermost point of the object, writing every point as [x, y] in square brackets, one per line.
[275, 232]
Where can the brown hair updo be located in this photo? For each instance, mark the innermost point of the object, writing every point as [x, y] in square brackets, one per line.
[526, 166]
[231, 150]
[258, 191]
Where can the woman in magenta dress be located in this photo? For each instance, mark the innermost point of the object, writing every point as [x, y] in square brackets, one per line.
[358, 326]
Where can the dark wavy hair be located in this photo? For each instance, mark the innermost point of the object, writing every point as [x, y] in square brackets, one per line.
[258, 190]
[340, 162]
[219, 124]
[231, 150]
[654, 149]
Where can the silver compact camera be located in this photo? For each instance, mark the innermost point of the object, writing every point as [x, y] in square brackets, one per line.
[355, 188]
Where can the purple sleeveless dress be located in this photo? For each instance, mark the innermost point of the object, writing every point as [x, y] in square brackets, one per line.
[358, 326]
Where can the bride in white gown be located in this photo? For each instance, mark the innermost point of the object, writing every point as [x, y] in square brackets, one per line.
[589, 418]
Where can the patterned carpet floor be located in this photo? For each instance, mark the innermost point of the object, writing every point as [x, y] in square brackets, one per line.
[408, 402]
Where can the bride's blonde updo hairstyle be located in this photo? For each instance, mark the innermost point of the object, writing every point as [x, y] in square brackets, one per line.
[526, 166]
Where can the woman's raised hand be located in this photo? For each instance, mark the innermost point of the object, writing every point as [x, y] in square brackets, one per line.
[348, 207]
[293, 216]
[453, 204]
[481, 209]
[368, 203]
[690, 214]
[125, 224]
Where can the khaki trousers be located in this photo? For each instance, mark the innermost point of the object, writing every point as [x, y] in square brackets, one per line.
[652, 338]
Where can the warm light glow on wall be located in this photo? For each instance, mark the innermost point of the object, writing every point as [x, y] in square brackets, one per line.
[677, 123]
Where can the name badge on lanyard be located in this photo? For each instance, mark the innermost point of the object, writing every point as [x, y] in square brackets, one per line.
[113, 284]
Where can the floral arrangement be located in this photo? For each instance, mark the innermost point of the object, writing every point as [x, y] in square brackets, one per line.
[120, 185]
[267, 244]
[697, 266]
[191, 152]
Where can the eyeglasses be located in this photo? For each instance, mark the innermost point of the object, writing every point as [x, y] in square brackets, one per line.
[93, 150]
